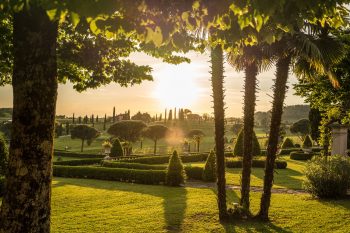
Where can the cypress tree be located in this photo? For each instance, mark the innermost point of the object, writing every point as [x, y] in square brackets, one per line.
[117, 149]
[113, 114]
[175, 171]
[73, 119]
[238, 149]
[209, 172]
[170, 118]
[104, 122]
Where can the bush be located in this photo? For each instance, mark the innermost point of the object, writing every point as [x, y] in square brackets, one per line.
[229, 154]
[238, 149]
[76, 155]
[307, 142]
[175, 174]
[257, 163]
[117, 149]
[288, 151]
[118, 174]
[2, 186]
[194, 173]
[79, 162]
[287, 143]
[328, 179]
[296, 145]
[165, 159]
[3, 156]
[209, 171]
[296, 155]
[133, 165]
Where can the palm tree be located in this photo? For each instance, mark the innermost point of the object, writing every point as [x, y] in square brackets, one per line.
[251, 61]
[217, 79]
[298, 49]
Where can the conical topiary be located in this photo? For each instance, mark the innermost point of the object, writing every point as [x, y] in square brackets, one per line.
[307, 142]
[238, 149]
[209, 172]
[287, 143]
[117, 149]
[175, 172]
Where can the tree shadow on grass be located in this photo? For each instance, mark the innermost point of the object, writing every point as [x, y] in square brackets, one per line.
[174, 198]
[343, 202]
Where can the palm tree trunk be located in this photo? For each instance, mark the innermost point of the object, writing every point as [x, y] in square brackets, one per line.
[26, 203]
[251, 72]
[217, 79]
[276, 116]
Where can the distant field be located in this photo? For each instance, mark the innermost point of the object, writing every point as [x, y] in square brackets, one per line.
[164, 146]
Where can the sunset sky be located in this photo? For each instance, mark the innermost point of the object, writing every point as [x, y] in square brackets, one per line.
[185, 85]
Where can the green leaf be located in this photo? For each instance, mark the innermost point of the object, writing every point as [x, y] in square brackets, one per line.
[75, 18]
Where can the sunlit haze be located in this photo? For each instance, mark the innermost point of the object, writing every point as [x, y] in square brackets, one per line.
[185, 85]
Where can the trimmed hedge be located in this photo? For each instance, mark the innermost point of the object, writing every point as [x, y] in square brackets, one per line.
[2, 186]
[133, 165]
[165, 159]
[238, 150]
[117, 174]
[79, 162]
[194, 173]
[300, 155]
[76, 155]
[287, 143]
[230, 163]
[287, 151]
[229, 154]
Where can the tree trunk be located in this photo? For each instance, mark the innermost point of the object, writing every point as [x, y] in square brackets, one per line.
[217, 80]
[198, 141]
[82, 145]
[155, 147]
[251, 72]
[280, 89]
[26, 203]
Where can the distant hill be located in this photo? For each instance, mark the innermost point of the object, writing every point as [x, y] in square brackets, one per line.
[290, 115]
[5, 112]
[293, 113]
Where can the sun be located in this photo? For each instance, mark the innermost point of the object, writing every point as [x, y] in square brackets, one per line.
[176, 87]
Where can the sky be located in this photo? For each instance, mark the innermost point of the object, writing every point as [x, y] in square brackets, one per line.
[185, 85]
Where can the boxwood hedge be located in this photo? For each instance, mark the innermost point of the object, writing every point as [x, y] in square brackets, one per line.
[76, 155]
[133, 165]
[234, 163]
[117, 174]
[287, 151]
[79, 162]
[300, 155]
[165, 159]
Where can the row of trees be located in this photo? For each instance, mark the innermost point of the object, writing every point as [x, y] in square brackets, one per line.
[46, 42]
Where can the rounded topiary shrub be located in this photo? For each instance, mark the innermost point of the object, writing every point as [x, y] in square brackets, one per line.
[3, 156]
[287, 143]
[175, 174]
[300, 155]
[209, 172]
[117, 149]
[238, 149]
[307, 142]
[328, 178]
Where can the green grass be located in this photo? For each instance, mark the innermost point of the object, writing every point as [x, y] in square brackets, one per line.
[103, 206]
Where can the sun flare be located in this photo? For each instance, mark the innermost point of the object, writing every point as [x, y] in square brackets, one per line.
[176, 86]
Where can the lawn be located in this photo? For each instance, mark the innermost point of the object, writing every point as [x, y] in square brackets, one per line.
[104, 206]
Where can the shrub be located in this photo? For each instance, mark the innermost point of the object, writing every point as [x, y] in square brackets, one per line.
[307, 142]
[328, 179]
[175, 174]
[287, 151]
[3, 156]
[194, 173]
[229, 154]
[165, 159]
[117, 149]
[209, 171]
[296, 145]
[76, 155]
[2, 186]
[238, 149]
[287, 143]
[296, 155]
[257, 163]
[133, 165]
[79, 162]
[104, 173]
